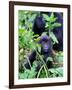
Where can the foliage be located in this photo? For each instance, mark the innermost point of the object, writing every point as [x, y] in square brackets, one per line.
[26, 39]
[58, 59]
[53, 72]
[28, 73]
[50, 25]
[56, 72]
[28, 43]
[26, 19]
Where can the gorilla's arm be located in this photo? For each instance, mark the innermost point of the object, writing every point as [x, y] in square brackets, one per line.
[32, 58]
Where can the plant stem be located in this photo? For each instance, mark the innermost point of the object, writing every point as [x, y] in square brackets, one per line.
[45, 66]
[49, 32]
[40, 71]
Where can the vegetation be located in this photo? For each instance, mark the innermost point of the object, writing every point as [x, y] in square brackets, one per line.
[28, 43]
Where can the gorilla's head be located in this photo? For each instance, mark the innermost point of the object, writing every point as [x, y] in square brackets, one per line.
[39, 25]
[40, 22]
[46, 43]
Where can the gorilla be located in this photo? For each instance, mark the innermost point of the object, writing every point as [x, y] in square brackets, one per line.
[46, 51]
[39, 25]
[39, 28]
[58, 31]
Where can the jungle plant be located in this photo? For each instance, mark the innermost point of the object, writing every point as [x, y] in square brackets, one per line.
[50, 25]
[29, 42]
[26, 19]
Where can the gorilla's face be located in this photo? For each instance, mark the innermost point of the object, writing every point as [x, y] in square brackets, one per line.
[46, 44]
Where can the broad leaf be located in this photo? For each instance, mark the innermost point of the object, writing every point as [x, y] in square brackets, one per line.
[56, 25]
[46, 17]
[53, 37]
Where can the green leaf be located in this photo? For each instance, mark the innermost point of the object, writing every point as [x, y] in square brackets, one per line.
[39, 47]
[21, 50]
[32, 18]
[53, 37]
[47, 25]
[32, 73]
[52, 15]
[24, 75]
[57, 72]
[60, 70]
[46, 17]
[44, 33]
[56, 25]
[35, 36]
[52, 18]
[49, 59]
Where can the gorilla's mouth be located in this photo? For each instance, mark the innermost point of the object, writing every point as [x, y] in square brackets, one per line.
[45, 50]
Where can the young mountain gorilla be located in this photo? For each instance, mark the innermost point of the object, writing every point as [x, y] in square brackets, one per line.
[46, 51]
[39, 28]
